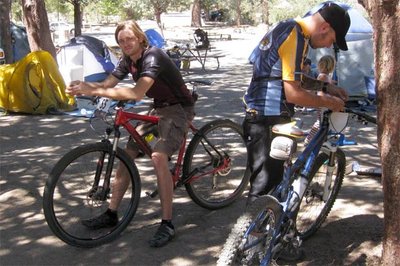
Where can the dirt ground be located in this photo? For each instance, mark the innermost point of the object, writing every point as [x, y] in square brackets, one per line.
[31, 145]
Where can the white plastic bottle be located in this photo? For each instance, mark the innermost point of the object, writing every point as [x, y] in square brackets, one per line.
[299, 186]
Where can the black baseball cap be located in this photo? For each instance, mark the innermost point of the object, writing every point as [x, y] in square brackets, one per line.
[339, 20]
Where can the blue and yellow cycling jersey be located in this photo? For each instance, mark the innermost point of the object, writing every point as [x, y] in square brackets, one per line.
[278, 57]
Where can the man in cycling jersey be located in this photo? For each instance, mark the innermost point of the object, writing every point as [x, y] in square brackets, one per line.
[157, 77]
[278, 84]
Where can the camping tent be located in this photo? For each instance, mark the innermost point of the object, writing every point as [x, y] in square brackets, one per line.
[355, 67]
[20, 42]
[33, 85]
[85, 58]
[155, 38]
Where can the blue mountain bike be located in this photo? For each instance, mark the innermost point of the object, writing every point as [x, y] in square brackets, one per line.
[300, 204]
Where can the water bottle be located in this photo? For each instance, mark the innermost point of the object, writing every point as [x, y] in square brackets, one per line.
[150, 139]
[299, 186]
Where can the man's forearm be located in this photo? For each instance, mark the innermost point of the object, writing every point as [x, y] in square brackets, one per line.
[309, 83]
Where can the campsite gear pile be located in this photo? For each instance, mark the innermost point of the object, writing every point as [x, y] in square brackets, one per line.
[201, 39]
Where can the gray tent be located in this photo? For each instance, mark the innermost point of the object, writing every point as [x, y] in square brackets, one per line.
[20, 42]
[355, 67]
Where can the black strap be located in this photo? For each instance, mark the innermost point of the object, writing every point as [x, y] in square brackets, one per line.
[266, 78]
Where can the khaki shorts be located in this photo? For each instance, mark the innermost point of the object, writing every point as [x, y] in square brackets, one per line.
[171, 128]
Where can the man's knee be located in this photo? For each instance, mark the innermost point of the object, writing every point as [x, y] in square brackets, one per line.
[159, 157]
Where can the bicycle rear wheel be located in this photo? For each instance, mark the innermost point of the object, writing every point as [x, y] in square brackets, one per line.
[214, 167]
[71, 194]
[251, 237]
[313, 209]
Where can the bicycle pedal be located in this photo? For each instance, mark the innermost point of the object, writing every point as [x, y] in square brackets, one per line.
[297, 242]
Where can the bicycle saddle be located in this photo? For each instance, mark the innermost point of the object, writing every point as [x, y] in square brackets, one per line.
[291, 129]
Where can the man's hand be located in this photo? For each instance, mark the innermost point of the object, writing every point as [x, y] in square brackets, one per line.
[77, 87]
[338, 92]
[334, 103]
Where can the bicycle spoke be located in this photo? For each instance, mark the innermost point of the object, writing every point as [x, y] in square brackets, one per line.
[215, 163]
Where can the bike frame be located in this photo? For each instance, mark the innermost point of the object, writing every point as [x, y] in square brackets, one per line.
[300, 168]
[124, 117]
[305, 160]
[285, 199]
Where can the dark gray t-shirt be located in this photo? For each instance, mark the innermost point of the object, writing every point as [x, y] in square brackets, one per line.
[169, 87]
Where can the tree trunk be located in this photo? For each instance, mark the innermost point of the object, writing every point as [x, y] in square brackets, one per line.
[5, 35]
[159, 22]
[77, 18]
[196, 14]
[238, 13]
[386, 24]
[265, 12]
[37, 26]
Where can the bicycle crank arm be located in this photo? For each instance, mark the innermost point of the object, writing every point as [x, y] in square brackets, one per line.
[152, 194]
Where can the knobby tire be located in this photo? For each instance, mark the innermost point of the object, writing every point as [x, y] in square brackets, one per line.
[68, 195]
[313, 210]
[265, 213]
[214, 143]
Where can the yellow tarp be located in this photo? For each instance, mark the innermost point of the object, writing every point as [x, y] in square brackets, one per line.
[34, 85]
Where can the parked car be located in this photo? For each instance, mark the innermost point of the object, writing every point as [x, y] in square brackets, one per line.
[61, 26]
[2, 57]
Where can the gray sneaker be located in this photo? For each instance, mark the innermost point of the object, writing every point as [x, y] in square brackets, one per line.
[163, 235]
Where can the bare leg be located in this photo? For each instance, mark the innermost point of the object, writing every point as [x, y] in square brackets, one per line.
[120, 183]
[164, 183]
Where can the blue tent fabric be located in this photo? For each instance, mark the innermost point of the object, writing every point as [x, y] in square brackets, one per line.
[20, 44]
[358, 23]
[155, 38]
[86, 58]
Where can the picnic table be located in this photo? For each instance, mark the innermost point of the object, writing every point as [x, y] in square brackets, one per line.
[201, 55]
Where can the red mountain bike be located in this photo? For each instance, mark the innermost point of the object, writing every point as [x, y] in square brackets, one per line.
[211, 167]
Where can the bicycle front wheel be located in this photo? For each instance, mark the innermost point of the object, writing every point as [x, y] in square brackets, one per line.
[313, 208]
[251, 239]
[214, 167]
[76, 191]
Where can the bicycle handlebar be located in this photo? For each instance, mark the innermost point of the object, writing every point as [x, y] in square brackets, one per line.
[363, 115]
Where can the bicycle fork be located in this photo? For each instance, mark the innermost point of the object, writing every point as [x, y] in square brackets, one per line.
[330, 150]
[101, 192]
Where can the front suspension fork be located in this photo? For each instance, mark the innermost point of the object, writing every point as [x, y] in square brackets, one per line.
[101, 192]
[330, 150]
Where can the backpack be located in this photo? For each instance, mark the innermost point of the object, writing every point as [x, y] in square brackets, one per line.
[201, 38]
[175, 55]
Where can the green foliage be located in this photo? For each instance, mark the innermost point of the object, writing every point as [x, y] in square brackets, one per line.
[180, 5]
[251, 10]
[281, 10]
[133, 9]
[109, 7]
[16, 10]
[95, 11]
